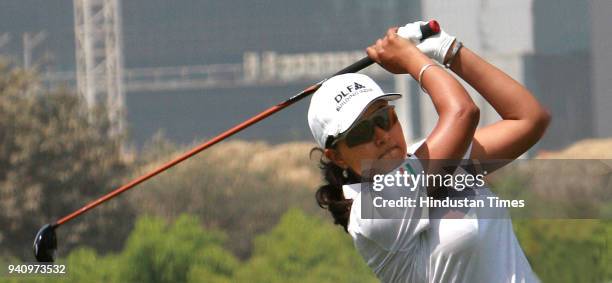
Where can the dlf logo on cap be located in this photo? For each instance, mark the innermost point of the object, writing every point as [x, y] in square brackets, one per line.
[339, 102]
[346, 94]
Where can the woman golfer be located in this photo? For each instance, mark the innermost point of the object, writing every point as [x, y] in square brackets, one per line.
[352, 121]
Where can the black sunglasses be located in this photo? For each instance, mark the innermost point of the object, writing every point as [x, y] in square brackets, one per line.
[363, 131]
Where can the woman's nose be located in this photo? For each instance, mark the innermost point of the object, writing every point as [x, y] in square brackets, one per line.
[381, 137]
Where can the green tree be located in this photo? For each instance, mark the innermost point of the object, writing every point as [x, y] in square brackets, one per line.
[567, 250]
[181, 252]
[55, 156]
[85, 265]
[303, 248]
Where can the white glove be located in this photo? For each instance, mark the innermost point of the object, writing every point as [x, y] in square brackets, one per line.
[435, 47]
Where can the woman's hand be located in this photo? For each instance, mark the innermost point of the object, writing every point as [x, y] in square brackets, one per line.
[436, 47]
[396, 54]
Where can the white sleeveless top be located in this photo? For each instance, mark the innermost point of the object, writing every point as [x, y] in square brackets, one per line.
[420, 248]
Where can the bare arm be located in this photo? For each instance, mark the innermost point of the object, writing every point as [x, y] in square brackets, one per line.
[458, 115]
[524, 119]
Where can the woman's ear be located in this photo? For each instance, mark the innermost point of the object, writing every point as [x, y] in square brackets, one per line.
[335, 157]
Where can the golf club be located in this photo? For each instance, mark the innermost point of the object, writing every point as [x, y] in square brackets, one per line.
[45, 243]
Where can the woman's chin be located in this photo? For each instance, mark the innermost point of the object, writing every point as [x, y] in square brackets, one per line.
[390, 160]
[394, 154]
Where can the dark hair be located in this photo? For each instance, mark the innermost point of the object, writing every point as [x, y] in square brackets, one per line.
[330, 196]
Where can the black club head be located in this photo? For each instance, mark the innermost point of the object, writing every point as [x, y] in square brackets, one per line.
[45, 244]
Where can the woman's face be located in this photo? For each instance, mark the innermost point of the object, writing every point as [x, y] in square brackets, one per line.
[385, 145]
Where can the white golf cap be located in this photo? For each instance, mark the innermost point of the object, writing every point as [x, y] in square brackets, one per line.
[339, 102]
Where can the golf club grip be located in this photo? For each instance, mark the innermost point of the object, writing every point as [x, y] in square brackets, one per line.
[356, 67]
[431, 28]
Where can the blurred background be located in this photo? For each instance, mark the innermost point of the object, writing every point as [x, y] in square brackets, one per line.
[95, 92]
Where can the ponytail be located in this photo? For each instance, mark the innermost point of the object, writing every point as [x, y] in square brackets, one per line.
[330, 195]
